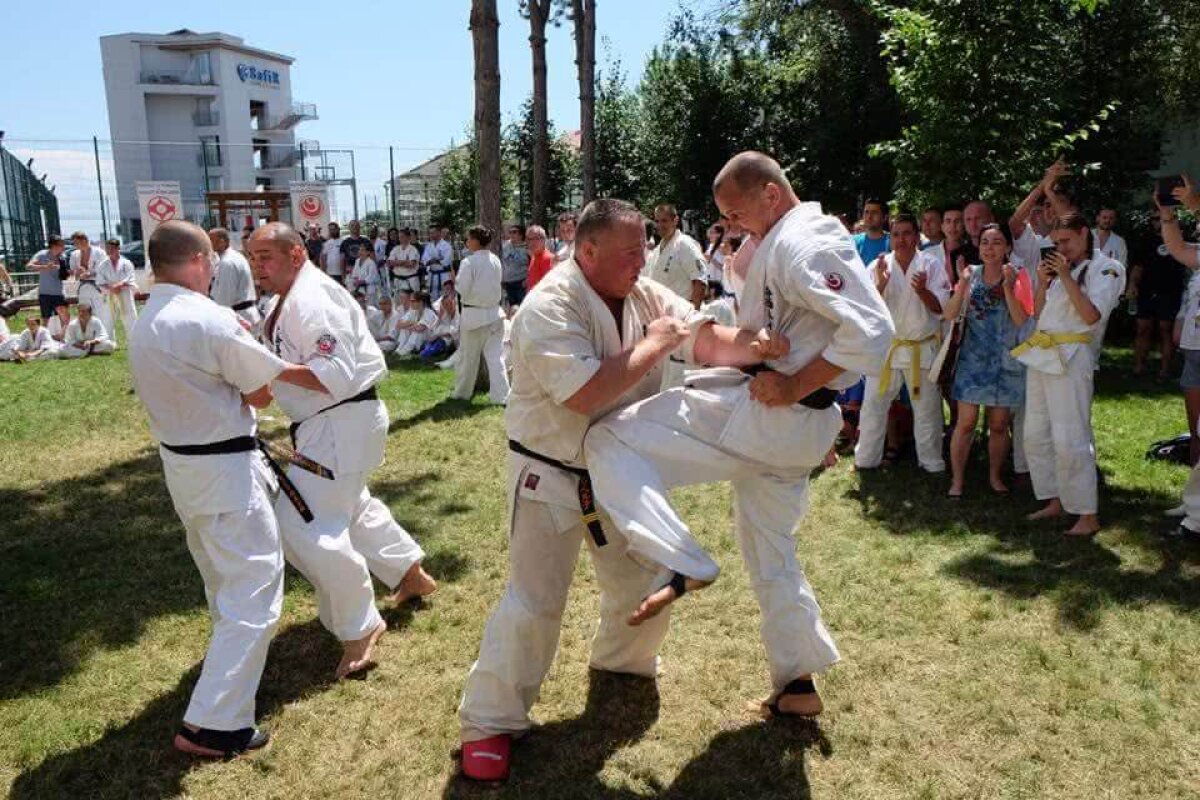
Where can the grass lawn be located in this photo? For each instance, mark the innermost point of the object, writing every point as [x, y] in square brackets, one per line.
[983, 657]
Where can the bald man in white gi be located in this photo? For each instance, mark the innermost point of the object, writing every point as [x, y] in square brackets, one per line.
[591, 337]
[913, 286]
[199, 374]
[233, 283]
[343, 428]
[678, 263]
[764, 433]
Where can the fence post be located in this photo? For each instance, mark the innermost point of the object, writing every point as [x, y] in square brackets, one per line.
[353, 184]
[392, 181]
[100, 190]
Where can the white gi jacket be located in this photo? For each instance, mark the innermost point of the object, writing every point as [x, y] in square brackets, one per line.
[110, 275]
[1115, 248]
[1103, 284]
[676, 263]
[77, 334]
[914, 322]
[233, 285]
[560, 336]
[479, 289]
[320, 324]
[365, 276]
[191, 361]
[1189, 315]
[807, 282]
[27, 343]
[95, 258]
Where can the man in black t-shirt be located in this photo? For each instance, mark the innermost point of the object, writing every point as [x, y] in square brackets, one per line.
[313, 243]
[1156, 286]
[351, 243]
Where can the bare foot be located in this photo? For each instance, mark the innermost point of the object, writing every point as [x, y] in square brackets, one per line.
[1087, 525]
[654, 603]
[831, 459]
[1050, 511]
[356, 655]
[415, 583]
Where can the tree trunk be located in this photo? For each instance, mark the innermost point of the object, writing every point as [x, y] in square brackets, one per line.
[485, 28]
[585, 60]
[539, 14]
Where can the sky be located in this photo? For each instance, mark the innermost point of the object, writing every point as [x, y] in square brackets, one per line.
[394, 73]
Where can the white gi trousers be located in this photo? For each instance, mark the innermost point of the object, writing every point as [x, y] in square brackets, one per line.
[90, 294]
[1191, 501]
[674, 369]
[1058, 435]
[1020, 462]
[351, 536]
[521, 636]
[387, 345]
[703, 434]
[928, 423]
[487, 342]
[98, 349]
[121, 303]
[238, 555]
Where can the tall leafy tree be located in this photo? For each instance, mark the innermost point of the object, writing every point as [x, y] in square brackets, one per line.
[618, 150]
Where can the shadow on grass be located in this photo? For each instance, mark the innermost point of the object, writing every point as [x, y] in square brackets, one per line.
[565, 759]
[137, 759]
[85, 563]
[439, 412]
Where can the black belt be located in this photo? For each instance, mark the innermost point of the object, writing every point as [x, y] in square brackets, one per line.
[361, 397]
[87, 283]
[242, 306]
[246, 444]
[439, 271]
[819, 400]
[587, 499]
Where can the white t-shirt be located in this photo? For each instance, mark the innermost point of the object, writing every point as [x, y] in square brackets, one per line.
[1189, 314]
[332, 252]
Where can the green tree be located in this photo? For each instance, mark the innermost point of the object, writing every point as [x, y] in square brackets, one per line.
[618, 153]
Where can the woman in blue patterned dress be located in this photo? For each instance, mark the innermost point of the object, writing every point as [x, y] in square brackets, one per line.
[987, 375]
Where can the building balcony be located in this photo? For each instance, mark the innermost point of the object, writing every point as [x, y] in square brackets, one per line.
[299, 112]
[179, 77]
[206, 119]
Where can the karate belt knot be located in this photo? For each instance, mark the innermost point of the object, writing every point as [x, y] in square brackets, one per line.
[1046, 341]
[914, 384]
[587, 498]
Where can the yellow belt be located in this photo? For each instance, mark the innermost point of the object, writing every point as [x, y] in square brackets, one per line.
[1045, 341]
[914, 384]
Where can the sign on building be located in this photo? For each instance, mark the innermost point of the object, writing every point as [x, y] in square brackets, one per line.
[158, 202]
[310, 204]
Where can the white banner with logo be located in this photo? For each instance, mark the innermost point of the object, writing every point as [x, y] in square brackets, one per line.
[158, 201]
[310, 205]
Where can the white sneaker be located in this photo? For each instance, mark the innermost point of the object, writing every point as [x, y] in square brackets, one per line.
[1176, 512]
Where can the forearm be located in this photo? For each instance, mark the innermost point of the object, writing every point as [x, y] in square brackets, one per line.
[719, 346]
[1173, 238]
[813, 376]
[302, 376]
[1087, 310]
[617, 375]
[1015, 310]
[1061, 206]
[930, 300]
[953, 305]
[1016, 223]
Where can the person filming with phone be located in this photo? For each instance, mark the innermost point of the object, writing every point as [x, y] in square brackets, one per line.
[1078, 288]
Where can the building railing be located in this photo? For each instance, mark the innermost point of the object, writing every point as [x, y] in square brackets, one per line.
[206, 118]
[209, 157]
[299, 112]
[180, 77]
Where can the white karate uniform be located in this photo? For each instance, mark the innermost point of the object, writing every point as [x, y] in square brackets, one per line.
[1101, 327]
[918, 333]
[1027, 250]
[120, 301]
[481, 329]
[77, 334]
[1115, 247]
[89, 290]
[676, 263]
[320, 324]
[233, 286]
[1058, 390]
[437, 258]
[383, 329]
[8, 342]
[405, 277]
[807, 283]
[365, 277]
[413, 340]
[191, 362]
[26, 343]
[58, 329]
[561, 334]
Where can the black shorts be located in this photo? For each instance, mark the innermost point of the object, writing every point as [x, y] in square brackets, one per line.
[514, 292]
[48, 302]
[1158, 306]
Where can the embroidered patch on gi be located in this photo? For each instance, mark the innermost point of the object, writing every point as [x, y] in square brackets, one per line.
[834, 281]
[326, 344]
[531, 481]
[1109, 271]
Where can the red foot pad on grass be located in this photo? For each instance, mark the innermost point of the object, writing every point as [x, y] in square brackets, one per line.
[486, 759]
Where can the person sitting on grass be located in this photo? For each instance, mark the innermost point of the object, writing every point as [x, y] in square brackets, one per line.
[34, 344]
[58, 324]
[418, 332]
[443, 339]
[86, 336]
[383, 325]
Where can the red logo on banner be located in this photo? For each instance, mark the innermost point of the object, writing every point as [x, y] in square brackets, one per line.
[160, 208]
[311, 206]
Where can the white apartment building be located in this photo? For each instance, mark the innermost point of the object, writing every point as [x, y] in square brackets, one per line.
[204, 109]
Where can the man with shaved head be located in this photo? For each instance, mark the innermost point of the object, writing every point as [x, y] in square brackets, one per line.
[764, 429]
[976, 214]
[199, 375]
[341, 426]
[232, 284]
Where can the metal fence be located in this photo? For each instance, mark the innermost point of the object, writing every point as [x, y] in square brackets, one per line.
[94, 180]
[28, 210]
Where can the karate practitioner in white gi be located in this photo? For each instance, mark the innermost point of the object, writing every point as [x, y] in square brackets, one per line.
[85, 262]
[678, 263]
[32, 344]
[199, 373]
[591, 337]
[914, 287]
[316, 322]
[233, 283]
[764, 434]
[481, 327]
[117, 281]
[86, 336]
[1078, 287]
